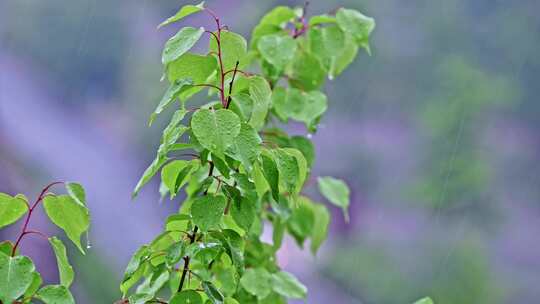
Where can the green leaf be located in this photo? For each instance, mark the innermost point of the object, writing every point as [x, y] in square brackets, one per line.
[257, 281]
[6, 247]
[196, 67]
[288, 286]
[233, 49]
[347, 56]
[133, 266]
[175, 174]
[289, 170]
[186, 297]
[16, 276]
[185, 11]
[207, 211]
[215, 130]
[424, 301]
[212, 292]
[175, 253]
[277, 49]
[320, 19]
[305, 146]
[180, 43]
[140, 298]
[36, 283]
[357, 24]
[170, 96]
[155, 282]
[328, 43]
[11, 208]
[306, 72]
[302, 167]
[243, 212]
[242, 105]
[246, 146]
[301, 222]
[271, 23]
[76, 191]
[149, 173]
[271, 174]
[261, 94]
[320, 229]
[64, 267]
[55, 294]
[337, 192]
[67, 214]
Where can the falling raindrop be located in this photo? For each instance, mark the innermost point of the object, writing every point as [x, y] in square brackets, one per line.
[309, 136]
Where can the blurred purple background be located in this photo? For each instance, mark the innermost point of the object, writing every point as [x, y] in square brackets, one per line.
[436, 133]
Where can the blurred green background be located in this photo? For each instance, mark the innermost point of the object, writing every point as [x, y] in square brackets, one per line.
[437, 134]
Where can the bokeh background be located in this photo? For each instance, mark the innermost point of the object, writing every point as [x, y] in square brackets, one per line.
[437, 134]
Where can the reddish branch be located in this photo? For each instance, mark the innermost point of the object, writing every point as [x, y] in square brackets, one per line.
[299, 32]
[24, 230]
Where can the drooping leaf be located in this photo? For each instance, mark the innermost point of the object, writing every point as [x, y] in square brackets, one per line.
[301, 222]
[207, 211]
[215, 130]
[328, 43]
[175, 253]
[64, 267]
[170, 96]
[12, 208]
[337, 192]
[347, 56]
[76, 191]
[261, 94]
[67, 214]
[288, 285]
[277, 49]
[233, 49]
[357, 24]
[186, 297]
[15, 276]
[257, 281]
[55, 294]
[246, 146]
[180, 43]
[185, 11]
[320, 229]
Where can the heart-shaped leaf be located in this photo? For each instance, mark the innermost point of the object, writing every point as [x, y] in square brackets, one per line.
[69, 215]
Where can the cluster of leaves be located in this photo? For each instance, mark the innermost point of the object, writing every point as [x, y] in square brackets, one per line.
[244, 173]
[19, 280]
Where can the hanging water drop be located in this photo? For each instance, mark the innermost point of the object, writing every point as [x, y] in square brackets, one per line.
[309, 136]
[88, 244]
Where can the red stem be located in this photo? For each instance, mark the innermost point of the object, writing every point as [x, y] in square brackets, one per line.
[24, 230]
